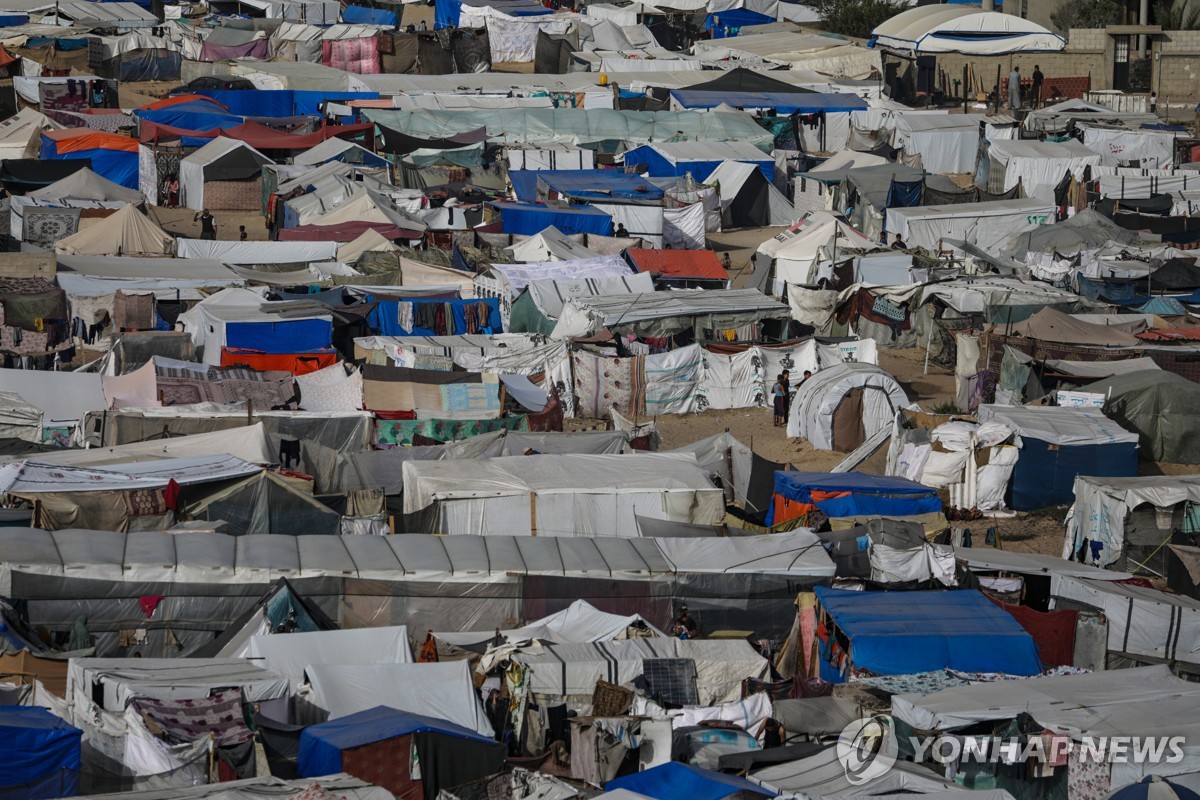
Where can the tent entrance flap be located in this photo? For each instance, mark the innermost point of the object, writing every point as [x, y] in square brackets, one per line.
[848, 429]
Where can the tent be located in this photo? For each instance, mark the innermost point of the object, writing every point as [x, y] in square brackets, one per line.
[824, 774]
[848, 494]
[239, 318]
[1099, 523]
[1039, 166]
[799, 250]
[63, 397]
[841, 407]
[113, 156]
[529, 219]
[923, 632]
[676, 159]
[19, 419]
[1060, 116]
[674, 780]
[748, 198]
[370, 241]
[281, 610]
[549, 245]
[224, 174]
[1057, 444]
[578, 623]
[1052, 325]
[681, 268]
[539, 307]
[945, 142]
[1161, 407]
[42, 754]
[290, 654]
[560, 495]
[385, 746]
[128, 232]
[120, 680]
[20, 134]
[987, 225]
[445, 690]
[80, 189]
[511, 279]
[1146, 702]
[666, 313]
[744, 88]
[960, 28]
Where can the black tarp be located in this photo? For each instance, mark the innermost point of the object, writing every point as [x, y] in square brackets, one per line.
[751, 208]
[21, 175]
[448, 761]
[239, 164]
[1158, 205]
[750, 759]
[399, 143]
[745, 80]
[1177, 273]
[553, 54]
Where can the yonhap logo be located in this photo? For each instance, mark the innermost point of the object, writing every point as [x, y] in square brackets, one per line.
[867, 749]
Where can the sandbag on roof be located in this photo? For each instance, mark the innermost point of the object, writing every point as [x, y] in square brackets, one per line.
[128, 232]
[1052, 325]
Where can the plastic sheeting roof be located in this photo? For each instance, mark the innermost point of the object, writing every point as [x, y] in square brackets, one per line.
[1052, 325]
[1059, 425]
[892, 634]
[964, 29]
[590, 314]
[674, 780]
[31, 476]
[578, 623]
[219, 558]
[519, 276]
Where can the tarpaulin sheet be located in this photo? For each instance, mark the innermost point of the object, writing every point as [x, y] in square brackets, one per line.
[285, 336]
[321, 745]
[784, 103]
[1053, 632]
[901, 634]
[529, 219]
[852, 494]
[385, 317]
[674, 780]
[368, 16]
[37, 744]
[585, 184]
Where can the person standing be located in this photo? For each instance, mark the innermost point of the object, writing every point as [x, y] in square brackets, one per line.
[778, 393]
[785, 380]
[1035, 90]
[208, 224]
[1014, 87]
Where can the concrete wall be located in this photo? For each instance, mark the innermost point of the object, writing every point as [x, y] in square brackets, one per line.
[1088, 53]
[1176, 68]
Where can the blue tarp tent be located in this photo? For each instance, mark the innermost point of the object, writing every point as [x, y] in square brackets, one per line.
[291, 336]
[902, 633]
[527, 219]
[39, 754]
[850, 494]
[448, 754]
[385, 317]
[676, 780]
[599, 185]
[446, 12]
[697, 158]
[112, 157]
[732, 19]
[278, 102]
[194, 115]
[361, 15]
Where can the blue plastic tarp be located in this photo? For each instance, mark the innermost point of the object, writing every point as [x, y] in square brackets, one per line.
[1045, 473]
[901, 633]
[119, 166]
[385, 317]
[283, 337]
[321, 745]
[659, 166]
[198, 115]
[782, 102]
[361, 15]
[853, 494]
[675, 780]
[9, 20]
[39, 753]
[601, 185]
[736, 18]
[527, 219]
[446, 13]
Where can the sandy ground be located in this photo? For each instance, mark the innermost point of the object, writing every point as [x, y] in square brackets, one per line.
[182, 222]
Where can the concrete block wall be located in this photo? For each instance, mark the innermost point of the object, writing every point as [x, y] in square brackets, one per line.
[1176, 68]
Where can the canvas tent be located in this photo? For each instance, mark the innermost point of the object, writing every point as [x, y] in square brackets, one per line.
[19, 419]
[1098, 522]
[21, 134]
[988, 225]
[1040, 166]
[748, 198]
[928, 631]
[578, 623]
[963, 28]
[81, 189]
[444, 690]
[1161, 407]
[128, 232]
[818, 237]
[224, 174]
[560, 495]
[290, 654]
[1057, 444]
[841, 407]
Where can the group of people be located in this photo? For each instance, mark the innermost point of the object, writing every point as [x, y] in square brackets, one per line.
[781, 396]
[1035, 88]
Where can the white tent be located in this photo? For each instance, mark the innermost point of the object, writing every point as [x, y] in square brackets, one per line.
[20, 134]
[290, 654]
[1103, 504]
[551, 296]
[123, 679]
[443, 691]
[987, 225]
[370, 240]
[231, 252]
[1139, 702]
[81, 189]
[799, 250]
[571, 670]
[549, 245]
[748, 199]
[965, 29]
[19, 419]
[128, 232]
[841, 407]
[249, 444]
[513, 278]
[63, 397]
[578, 623]
[206, 321]
[222, 159]
[1040, 166]
[945, 142]
[561, 495]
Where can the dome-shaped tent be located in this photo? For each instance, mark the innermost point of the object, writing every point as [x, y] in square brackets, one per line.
[842, 406]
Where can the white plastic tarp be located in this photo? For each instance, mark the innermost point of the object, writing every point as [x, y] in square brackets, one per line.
[249, 444]
[64, 397]
[31, 476]
[442, 691]
[290, 654]
[578, 623]
[1058, 425]
[1153, 149]
[798, 250]
[988, 225]
[1141, 621]
[1102, 505]
[232, 252]
[124, 679]
[816, 401]
[518, 276]
[1040, 166]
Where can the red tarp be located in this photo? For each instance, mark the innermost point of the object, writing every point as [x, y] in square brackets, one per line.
[679, 263]
[255, 134]
[175, 100]
[1053, 632]
[295, 363]
[346, 232]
